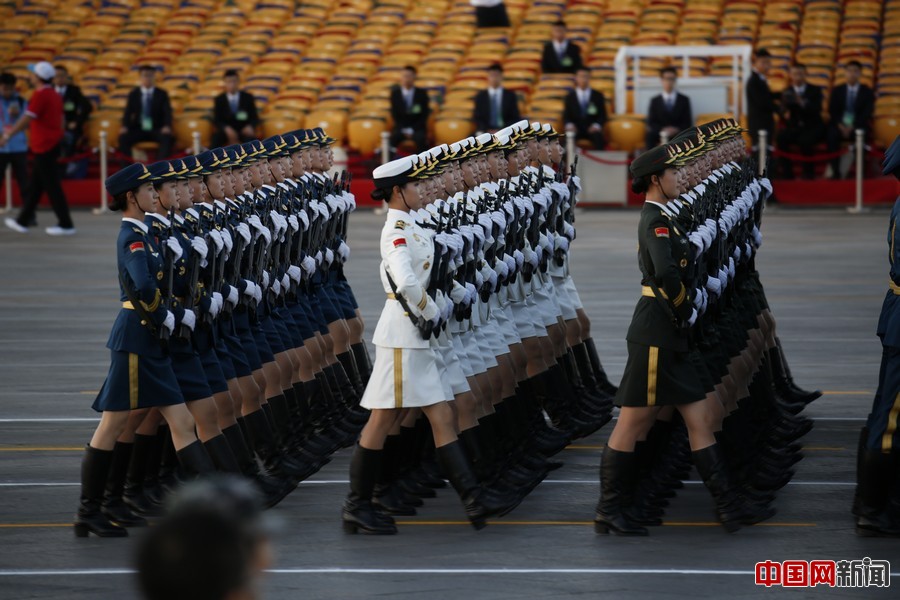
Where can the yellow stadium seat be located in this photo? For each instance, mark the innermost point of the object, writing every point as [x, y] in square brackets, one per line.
[185, 126]
[707, 117]
[886, 129]
[281, 122]
[103, 121]
[449, 130]
[626, 132]
[333, 121]
[364, 133]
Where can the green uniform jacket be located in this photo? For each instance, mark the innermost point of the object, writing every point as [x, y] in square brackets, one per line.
[663, 257]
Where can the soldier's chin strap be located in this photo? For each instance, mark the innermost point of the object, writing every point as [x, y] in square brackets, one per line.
[663, 191]
[402, 197]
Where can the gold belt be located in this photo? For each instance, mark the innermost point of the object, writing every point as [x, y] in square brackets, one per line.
[894, 287]
[127, 304]
[646, 290]
[391, 296]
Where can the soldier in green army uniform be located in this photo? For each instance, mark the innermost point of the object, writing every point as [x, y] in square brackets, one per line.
[659, 371]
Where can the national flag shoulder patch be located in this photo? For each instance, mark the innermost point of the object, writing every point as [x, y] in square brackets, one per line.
[661, 232]
[136, 246]
[399, 242]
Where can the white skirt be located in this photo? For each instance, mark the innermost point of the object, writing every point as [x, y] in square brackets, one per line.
[508, 326]
[523, 320]
[573, 293]
[454, 371]
[403, 378]
[460, 350]
[485, 347]
[566, 306]
[548, 309]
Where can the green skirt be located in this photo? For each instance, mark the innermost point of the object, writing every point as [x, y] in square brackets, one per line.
[659, 377]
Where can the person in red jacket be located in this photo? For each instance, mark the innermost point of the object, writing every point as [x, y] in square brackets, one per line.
[44, 118]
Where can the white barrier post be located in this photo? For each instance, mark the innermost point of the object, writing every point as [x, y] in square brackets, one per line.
[570, 150]
[763, 150]
[195, 137]
[7, 177]
[860, 150]
[104, 150]
[385, 147]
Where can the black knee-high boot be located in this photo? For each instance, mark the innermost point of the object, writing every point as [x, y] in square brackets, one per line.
[361, 355]
[617, 481]
[94, 473]
[358, 513]
[878, 472]
[195, 460]
[479, 506]
[388, 497]
[731, 509]
[351, 368]
[273, 489]
[113, 506]
[145, 456]
[599, 373]
[222, 456]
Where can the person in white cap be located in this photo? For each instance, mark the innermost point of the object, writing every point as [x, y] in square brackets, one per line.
[405, 374]
[44, 118]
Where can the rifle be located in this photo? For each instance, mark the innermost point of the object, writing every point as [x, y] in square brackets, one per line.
[425, 327]
[184, 332]
[170, 277]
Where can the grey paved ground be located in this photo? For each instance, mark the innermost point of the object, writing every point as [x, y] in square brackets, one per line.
[825, 277]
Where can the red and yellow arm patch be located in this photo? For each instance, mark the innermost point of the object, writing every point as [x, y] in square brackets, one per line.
[399, 242]
[661, 232]
[136, 246]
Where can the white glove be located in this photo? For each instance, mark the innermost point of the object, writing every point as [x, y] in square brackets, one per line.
[276, 287]
[189, 319]
[285, 282]
[519, 258]
[253, 221]
[174, 247]
[471, 293]
[294, 223]
[232, 298]
[295, 273]
[244, 231]
[226, 239]
[344, 251]
[304, 218]
[531, 257]
[250, 290]
[217, 303]
[308, 265]
[447, 311]
[169, 322]
[569, 231]
[329, 256]
[200, 247]
[693, 318]
[265, 279]
[458, 294]
[216, 237]
[318, 258]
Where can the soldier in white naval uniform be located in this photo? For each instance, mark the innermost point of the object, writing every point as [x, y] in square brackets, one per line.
[405, 373]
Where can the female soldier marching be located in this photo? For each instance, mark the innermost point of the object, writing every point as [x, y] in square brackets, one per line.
[140, 373]
[405, 373]
[659, 371]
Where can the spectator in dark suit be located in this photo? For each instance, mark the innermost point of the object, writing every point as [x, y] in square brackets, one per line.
[761, 105]
[669, 112]
[850, 107]
[234, 113]
[410, 110]
[801, 111]
[585, 110]
[148, 116]
[495, 107]
[76, 109]
[490, 13]
[560, 55]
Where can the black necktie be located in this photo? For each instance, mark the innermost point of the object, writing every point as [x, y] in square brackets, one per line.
[145, 105]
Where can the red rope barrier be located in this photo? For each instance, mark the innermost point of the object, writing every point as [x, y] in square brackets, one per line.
[811, 158]
[603, 161]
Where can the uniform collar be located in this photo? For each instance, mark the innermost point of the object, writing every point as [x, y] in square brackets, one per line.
[140, 224]
[159, 218]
